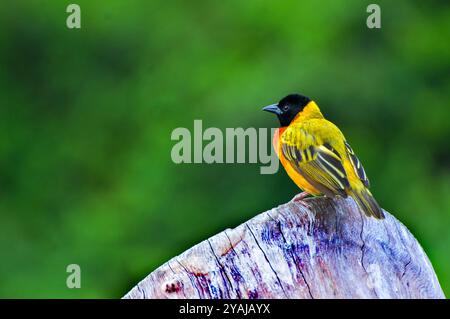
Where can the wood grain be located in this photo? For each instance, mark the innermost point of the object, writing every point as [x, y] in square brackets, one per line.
[326, 250]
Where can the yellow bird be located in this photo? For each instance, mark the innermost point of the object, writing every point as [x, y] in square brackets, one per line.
[316, 156]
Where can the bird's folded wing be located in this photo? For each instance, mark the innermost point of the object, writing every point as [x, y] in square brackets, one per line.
[320, 165]
[357, 166]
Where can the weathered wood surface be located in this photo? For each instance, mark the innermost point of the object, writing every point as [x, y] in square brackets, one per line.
[330, 250]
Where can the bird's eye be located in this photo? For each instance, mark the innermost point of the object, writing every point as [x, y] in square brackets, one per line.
[285, 108]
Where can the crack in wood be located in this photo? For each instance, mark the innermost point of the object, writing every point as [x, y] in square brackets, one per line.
[406, 265]
[231, 245]
[222, 270]
[170, 267]
[265, 257]
[295, 262]
[363, 247]
[188, 273]
[406, 249]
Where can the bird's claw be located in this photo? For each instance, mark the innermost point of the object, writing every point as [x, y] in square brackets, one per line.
[299, 198]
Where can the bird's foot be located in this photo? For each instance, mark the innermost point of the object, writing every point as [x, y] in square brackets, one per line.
[299, 198]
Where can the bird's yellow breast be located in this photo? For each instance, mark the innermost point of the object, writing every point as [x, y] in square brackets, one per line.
[298, 179]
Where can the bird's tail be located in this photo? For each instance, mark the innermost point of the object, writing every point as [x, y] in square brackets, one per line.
[367, 203]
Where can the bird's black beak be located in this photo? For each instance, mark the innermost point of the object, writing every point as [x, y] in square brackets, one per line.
[273, 108]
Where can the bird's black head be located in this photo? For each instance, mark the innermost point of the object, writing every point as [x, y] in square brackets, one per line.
[288, 108]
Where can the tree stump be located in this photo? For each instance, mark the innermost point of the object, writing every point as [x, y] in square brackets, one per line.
[327, 250]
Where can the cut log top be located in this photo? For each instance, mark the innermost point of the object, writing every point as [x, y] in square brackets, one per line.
[329, 250]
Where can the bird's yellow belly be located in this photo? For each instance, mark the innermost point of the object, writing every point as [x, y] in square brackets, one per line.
[302, 183]
[297, 178]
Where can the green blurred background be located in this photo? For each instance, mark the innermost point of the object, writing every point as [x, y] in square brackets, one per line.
[86, 117]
